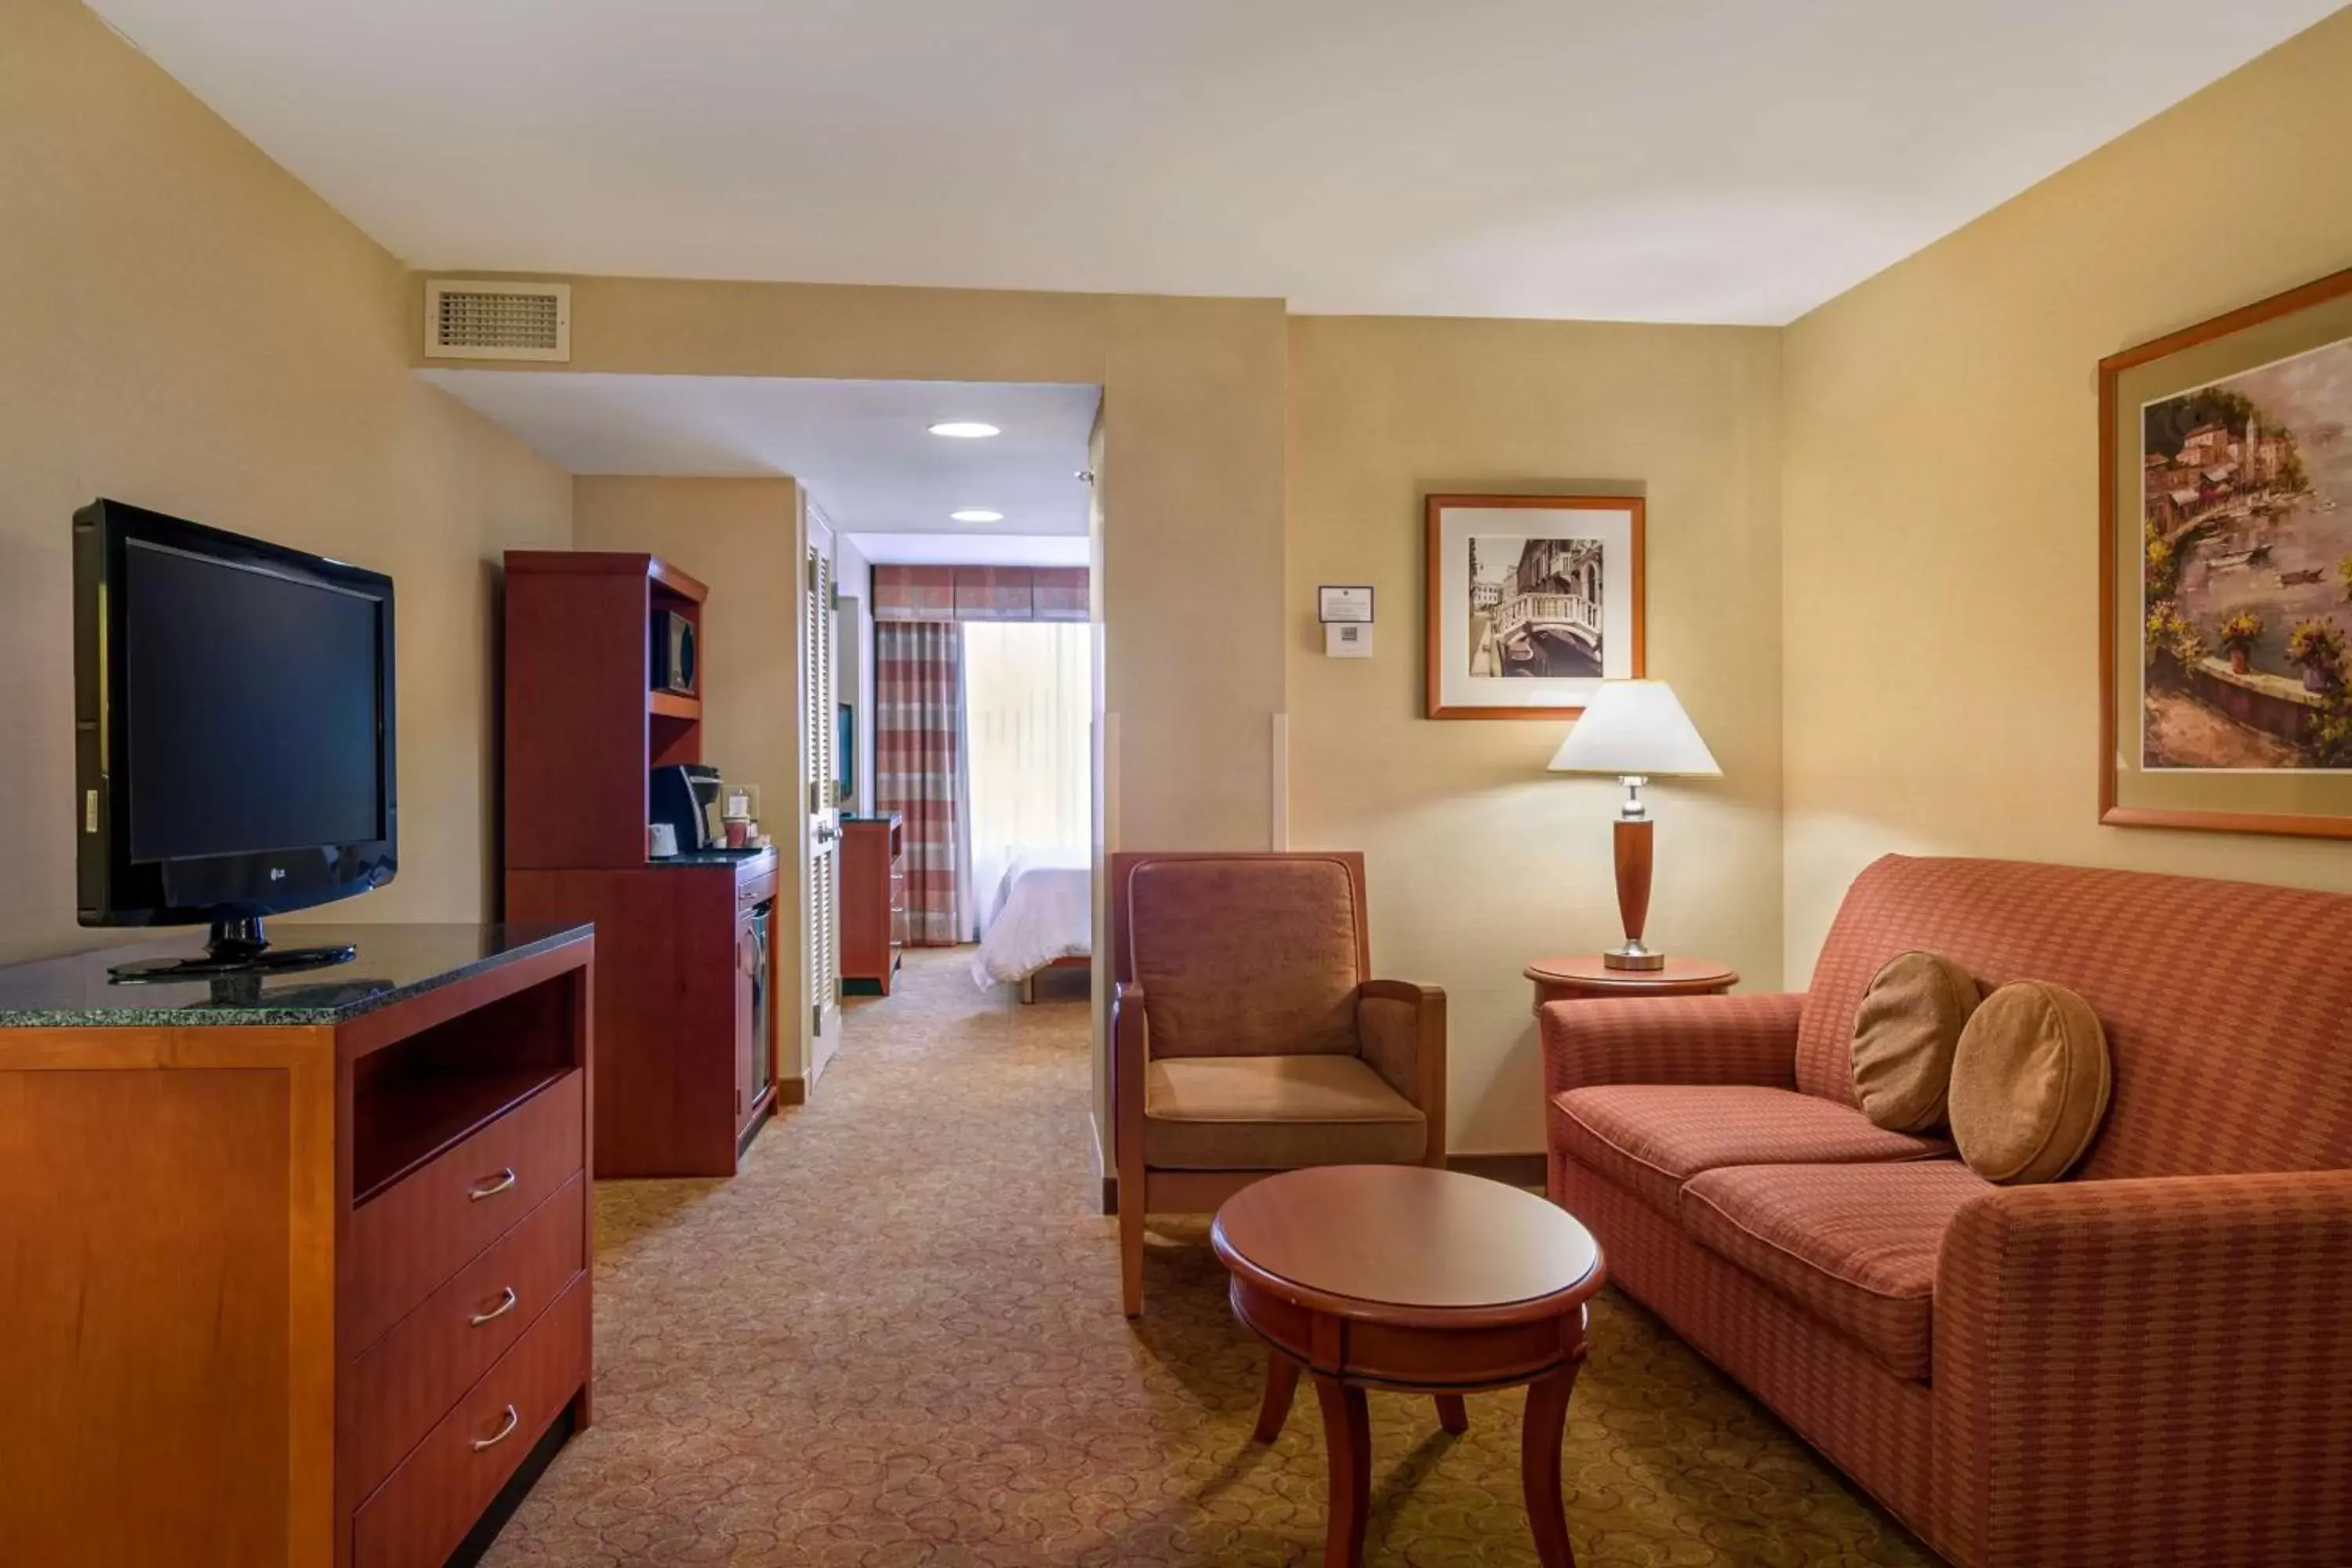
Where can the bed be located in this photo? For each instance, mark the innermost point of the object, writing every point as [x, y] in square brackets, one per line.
[1044, 919]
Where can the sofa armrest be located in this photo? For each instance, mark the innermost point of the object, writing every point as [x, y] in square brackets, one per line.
[1401, 1029]
[1746, 1039]
[2165, 1356]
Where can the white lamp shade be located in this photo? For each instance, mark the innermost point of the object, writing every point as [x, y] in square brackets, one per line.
[1635, 728]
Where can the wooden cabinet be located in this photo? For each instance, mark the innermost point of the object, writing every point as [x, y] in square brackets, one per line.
[873, 901]
[678, 1051]
[686, 1054]
[294, 1272]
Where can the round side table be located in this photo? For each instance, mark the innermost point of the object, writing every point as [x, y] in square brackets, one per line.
[1585, 976]
[1417, 1282]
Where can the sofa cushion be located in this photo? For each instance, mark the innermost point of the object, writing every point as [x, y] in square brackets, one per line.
[1654, 1137]
[1274, 1113]
[2223, 1002]
[1904, 1033]
[1854, 1245]
[2030, 1083]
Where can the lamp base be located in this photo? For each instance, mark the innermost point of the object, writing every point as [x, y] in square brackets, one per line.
[1634, 956]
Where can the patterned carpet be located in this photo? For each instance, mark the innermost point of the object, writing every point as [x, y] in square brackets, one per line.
[895, 1339]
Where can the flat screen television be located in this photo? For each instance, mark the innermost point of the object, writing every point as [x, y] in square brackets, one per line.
[233, 712]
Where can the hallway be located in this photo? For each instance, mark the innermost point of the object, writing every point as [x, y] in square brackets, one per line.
[895, 1339]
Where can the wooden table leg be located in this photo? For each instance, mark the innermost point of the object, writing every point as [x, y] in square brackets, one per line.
[1347, 1433]
[1452, 1414]
[1281, 1379]
[1539, 1440]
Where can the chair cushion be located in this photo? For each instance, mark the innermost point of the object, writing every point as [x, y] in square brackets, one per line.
[1274, 1113]
[1854, 1245]
[1654, 1137]
[1252, 956]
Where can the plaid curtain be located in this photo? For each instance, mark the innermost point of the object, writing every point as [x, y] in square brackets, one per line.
[919, 765]
[979, 593]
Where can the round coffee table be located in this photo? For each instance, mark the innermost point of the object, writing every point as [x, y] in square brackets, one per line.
[1419, 1281]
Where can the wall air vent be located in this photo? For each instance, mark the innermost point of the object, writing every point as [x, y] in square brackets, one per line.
[468, 317]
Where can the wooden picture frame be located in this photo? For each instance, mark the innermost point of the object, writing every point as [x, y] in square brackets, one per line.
[1543, 661]
[2190, 740]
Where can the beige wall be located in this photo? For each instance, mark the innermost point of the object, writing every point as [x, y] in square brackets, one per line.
[738, 537]
[1193, 409]
[1941, 557]
[1884, 622]
[190, 329]
[744, 539]
[1477, 861]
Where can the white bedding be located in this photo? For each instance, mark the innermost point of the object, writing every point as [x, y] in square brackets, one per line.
[1044, 910]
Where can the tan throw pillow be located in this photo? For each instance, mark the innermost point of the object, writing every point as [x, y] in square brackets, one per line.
[2030, 1084]
[1904, 1033]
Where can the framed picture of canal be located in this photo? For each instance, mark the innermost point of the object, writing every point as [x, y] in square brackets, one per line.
[2226, 537]
[1533, 601]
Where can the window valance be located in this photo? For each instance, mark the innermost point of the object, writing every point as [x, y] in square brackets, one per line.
[979, 593]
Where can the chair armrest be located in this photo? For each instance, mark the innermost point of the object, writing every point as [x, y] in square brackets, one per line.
[1747, 1039]
[1401, 1028]
[2165, 1354]
[1129, 1052]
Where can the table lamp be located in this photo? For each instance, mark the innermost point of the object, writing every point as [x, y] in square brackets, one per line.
[1636, 730]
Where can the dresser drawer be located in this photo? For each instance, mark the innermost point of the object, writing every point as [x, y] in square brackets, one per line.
[410, 1378]
[409, 1239]
[416, 1519]
[756, 888]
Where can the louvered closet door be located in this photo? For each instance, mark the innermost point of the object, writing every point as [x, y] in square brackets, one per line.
[817, 686]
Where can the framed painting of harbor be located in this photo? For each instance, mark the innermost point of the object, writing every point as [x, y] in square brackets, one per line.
[2226, 571]
[1533, 601]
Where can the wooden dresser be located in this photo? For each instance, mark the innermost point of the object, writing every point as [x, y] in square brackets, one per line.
[873, 903]
[686, 996]
[293, 1271]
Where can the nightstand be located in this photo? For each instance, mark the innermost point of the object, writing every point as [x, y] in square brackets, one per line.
[1584, 977]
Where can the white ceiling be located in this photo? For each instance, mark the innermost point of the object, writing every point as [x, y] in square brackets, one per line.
[864, 449]
[1675, 160]
[970, 550]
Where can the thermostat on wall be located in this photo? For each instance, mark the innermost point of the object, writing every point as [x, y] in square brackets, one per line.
[1347, 640]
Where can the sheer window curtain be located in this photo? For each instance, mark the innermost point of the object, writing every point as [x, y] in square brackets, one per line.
[1028, 716]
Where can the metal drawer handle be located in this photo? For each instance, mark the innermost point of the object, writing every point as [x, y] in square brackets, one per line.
[513, 1420]
[506, 1304]
[493, 1187]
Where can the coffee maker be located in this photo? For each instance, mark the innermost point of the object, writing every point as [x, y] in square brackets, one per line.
[686, 796]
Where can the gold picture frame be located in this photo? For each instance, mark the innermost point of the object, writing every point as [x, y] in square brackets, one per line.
[2225, 552]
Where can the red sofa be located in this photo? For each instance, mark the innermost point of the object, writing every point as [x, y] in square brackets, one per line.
[2147, 1363]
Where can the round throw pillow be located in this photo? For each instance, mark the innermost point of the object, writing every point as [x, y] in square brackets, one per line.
[1905, 1034]
[2030, 1083]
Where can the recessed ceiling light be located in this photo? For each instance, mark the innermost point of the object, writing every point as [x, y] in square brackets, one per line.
[965, 429]
[977, 514]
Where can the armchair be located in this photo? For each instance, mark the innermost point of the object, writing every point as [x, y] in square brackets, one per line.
[1247, 1039]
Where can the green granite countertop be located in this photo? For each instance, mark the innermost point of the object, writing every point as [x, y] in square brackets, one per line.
[394, 962]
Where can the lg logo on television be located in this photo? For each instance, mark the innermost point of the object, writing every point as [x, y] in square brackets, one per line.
[277, 873]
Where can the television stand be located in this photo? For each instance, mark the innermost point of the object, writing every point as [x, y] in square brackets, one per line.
[234, 947]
